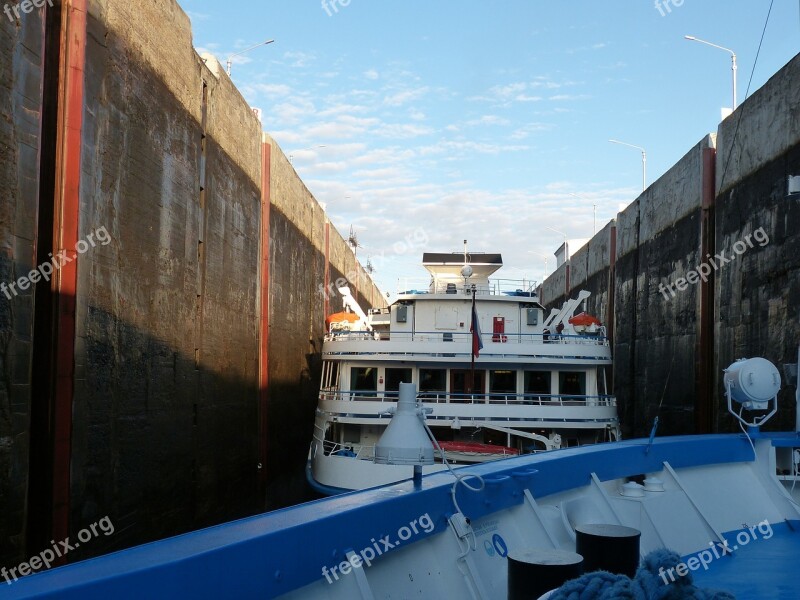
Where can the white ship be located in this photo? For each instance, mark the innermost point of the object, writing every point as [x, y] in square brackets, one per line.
[519, 382]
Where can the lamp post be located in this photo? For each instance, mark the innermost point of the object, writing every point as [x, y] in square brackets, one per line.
[644, 160]
[734, 67]
[291, 154]
[232, 56]
[594, 212]
[566, 243]
[544, 256]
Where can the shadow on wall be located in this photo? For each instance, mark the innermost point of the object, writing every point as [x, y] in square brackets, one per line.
[160, 445]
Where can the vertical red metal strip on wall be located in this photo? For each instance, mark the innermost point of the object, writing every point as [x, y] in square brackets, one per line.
[263, 338]
[567, 288]
[67, 209]
[327, 301]
[611, 311]
[705, 417]
[612, 280]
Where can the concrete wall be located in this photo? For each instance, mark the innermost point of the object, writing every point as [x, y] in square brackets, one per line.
[167, 345]
[656, 333]
[21, 57]
[758, 294]
[299, 255]
[672, 338]
[157, 425]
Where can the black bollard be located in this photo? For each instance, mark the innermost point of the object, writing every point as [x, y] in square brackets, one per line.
[612, 548]
[533, 573]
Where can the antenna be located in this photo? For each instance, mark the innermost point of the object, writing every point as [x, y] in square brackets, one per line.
[352, 240]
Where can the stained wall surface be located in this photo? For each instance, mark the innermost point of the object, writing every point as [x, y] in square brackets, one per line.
[163, 407]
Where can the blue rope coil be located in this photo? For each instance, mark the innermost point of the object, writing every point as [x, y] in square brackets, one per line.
[648, 584]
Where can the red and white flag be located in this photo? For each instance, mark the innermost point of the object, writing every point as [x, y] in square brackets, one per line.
[475, 328]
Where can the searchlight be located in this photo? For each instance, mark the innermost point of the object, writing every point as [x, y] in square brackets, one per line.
[753, 383]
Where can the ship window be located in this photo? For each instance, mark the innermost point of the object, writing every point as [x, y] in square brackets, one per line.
[351, 434]
[460, 380]
[502, 382]
[394, 377]
[364, 379]
[330, 375]
[433, 382]
[572, 383]
[537, 382]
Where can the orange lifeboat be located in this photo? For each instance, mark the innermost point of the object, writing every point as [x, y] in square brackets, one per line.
[584, 320]
[340, 321]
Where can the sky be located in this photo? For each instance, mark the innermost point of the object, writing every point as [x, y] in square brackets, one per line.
[422, 124]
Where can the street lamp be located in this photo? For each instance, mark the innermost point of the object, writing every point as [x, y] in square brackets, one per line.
[544, 256]
[734, 67]
[566, 243]
[644, 160]
[594, 212]
[232, 56]
[291, 154]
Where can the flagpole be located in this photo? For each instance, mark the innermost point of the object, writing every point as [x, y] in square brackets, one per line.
[472, 349]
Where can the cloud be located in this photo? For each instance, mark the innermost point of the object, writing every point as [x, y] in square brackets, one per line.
[489, 120]
[273, 89]
[525, 131]
[402, 131]
[404, 96]
[298, 59]
[506, 95]
[467, 146]
[292, 112]
[568, 97]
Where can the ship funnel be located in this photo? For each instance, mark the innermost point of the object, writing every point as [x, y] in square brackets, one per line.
[405, 441]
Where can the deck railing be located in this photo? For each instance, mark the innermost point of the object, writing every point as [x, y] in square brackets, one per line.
[508, 398]
[488, 339]
[494, 287]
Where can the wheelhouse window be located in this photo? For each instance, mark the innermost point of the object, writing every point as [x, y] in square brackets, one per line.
[572, 383]
[363, 379]
[394, 377]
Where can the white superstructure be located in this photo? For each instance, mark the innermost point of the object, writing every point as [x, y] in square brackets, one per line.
[538, 383]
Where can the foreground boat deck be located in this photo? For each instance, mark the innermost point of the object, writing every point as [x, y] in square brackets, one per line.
[713, 482]
[764, 568]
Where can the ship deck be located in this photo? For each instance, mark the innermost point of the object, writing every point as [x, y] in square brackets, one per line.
[283, 552]
[763, 568]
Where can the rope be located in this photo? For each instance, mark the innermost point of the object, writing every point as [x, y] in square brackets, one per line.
[648, 584]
